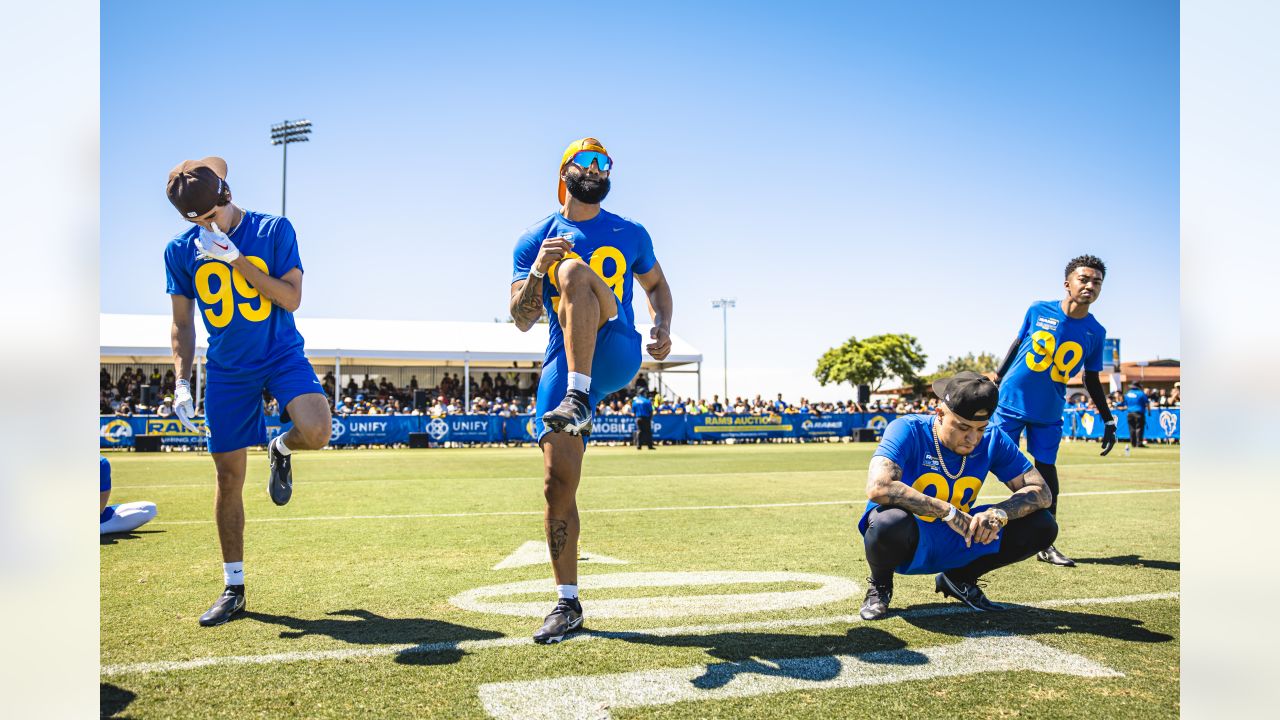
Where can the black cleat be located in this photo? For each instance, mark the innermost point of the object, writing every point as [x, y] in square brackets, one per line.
[280, 486]
[572, 415]
[227, 606]
[876, 604]
[968, 593]
[1053, 557]
[566, 618]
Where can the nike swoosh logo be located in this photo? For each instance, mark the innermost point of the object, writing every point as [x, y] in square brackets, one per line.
[224, 247]
[617, 229]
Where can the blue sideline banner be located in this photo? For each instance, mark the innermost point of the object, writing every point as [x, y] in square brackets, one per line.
[1162, 424]
[370, 429]
[712, 427]
[463, 428]
[394, 429]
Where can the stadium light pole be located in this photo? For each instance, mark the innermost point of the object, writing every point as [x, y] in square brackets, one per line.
[289, 131]
[724, 304]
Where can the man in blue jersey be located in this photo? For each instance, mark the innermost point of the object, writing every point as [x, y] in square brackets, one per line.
[642, 406]
[121, 518]
[1135, 405]
[1056, 339]
[242, 271]
[578, 264]
[923, 481]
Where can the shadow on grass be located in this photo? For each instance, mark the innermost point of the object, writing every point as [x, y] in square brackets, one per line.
[1133, 561]
[113, 538]
[112, 700]
[1023, 620]
[435, 639]
[808, 657]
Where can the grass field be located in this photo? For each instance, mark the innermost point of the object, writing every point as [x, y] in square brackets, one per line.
[354, 606]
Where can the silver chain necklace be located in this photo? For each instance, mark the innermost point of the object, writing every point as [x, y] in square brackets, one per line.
[937, 446]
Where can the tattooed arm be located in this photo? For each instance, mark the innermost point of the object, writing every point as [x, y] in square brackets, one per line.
[526, 302]
[526, 294]
[885, 487]
[1030, 493]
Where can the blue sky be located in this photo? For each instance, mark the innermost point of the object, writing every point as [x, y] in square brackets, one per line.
[839, 168]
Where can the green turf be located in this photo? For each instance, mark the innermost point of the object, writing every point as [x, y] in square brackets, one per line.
[319, 580]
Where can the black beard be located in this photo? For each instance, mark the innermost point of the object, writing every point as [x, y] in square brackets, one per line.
[586, 190]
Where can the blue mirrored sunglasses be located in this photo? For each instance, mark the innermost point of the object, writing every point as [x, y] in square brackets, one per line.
[586, 157]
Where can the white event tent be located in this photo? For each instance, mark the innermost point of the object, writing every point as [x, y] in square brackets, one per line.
[471, 346]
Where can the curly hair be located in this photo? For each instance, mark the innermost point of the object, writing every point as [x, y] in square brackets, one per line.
[1089, 261]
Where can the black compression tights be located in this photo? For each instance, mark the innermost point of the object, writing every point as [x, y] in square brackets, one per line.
[1050, 475]
[893, 534]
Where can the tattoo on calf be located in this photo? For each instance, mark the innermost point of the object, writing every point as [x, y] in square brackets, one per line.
[557, 537]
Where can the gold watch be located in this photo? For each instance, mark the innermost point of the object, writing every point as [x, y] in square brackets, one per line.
[1002, 517]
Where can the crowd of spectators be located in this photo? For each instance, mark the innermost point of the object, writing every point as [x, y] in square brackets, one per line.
[123, 397]
[509, 394]
[1160, 398]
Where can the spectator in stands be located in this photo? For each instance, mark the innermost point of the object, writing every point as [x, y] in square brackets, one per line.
[352, 388]
[125, 408]
[413, 383]
[168, 384]
[104, 379]
[1175, 397]
[166, 407]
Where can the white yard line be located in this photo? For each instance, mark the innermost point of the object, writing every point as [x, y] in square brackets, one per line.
[147, 668]
[666, 508]
[772, 473]
[593, 697]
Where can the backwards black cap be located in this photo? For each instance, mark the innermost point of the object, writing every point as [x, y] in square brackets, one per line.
[197, 186]
[969, 395]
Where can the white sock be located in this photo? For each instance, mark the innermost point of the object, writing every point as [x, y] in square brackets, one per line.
[281, 447]
[578, 381]
[567, 591]
[233, 573]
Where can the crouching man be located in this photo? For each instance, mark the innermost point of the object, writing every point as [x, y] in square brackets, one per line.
[923, 481]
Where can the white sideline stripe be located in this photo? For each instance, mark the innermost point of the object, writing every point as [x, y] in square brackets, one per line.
[593, 697]
[668, 508]
[147, 668]
[774, 473]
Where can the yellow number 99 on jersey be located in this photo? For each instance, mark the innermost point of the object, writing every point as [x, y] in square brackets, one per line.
[1042, 356]
[962, 494]
[218, 285]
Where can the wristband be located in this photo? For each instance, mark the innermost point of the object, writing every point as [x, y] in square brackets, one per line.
[183, 383]
[950, 514]
[534, 272]
[1111, 422]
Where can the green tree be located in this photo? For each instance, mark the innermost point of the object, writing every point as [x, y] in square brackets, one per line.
[981, 363]
[872, 361]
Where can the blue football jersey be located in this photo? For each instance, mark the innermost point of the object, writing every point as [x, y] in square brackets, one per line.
[104, 474]
[908, 442]
[247, 333]
[642, 406]
[615, 247]
[1051, 350]
[1136, 401]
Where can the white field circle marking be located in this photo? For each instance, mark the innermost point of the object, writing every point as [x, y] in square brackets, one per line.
[592, 697]
[831, 589]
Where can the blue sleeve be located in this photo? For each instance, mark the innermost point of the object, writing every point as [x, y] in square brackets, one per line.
[525, 254]
[1093, 361]
[645, 259]
[286, 246]
[896, 443]
[104, 483]
[177, 272]
[1007, 461]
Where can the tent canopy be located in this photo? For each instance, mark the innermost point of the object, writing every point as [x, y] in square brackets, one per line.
[402, 343]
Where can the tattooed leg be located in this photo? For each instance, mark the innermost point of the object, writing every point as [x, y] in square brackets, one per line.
[562, 465]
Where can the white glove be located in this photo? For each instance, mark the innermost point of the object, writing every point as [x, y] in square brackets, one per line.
[184, 407]
[215, 244]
